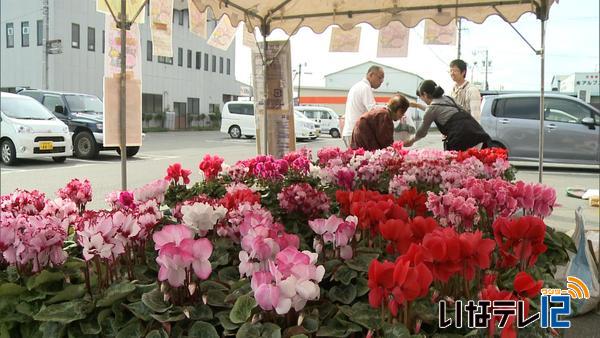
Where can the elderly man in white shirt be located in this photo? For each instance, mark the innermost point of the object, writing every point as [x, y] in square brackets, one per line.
[464, 93]
[361, 100]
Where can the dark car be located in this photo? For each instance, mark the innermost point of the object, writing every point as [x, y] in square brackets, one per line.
[83, 114]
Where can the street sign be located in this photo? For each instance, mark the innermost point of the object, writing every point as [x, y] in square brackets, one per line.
[54, 46]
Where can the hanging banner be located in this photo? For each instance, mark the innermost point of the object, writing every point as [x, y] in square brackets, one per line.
[393, 40]
[112, 55]
[345, 41]
[161, 19]
[248, 37]
[133, 6]
[197, 19]
[112, 76]
[222, 35]
[277, 110]
[439, 35]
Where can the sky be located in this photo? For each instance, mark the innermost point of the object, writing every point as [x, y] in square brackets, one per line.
[572, 45]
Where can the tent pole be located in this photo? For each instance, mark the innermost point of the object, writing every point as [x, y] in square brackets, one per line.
[122, 93]
[541, 136]
[265, 60]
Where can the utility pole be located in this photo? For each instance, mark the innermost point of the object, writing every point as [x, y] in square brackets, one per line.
[487, 87]
[459, 38]
[299, 76]
[45, 12]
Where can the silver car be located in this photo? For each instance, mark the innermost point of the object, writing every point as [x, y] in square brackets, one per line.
[571, 127]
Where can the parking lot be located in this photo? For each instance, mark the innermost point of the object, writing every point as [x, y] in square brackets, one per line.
[188, 148]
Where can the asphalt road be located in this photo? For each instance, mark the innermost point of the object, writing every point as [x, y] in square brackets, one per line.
[188, 148]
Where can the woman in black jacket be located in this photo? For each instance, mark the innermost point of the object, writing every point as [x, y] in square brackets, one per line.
[460, 129]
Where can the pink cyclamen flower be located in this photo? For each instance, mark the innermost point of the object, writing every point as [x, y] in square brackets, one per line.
[174, 233]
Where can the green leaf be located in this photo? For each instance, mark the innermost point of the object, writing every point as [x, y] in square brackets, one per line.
[361, 262]
[209, 285]
[344, 294]
[133, 329]
[330, 266]
[363, 314]
[226, 323]
[114, 293]
[44, 277]
[216, 298]
[28, 309]
[229, 274]
[157, 334]
[396, 331]
[345, 275]
[338, 327]
[90, 325]
[221, 259]
[200, 312]
[70, 292]
[10, 289]
[362, 287]
[299, 336]
[311, 323]
[139, 310]
[154, 301]
[65, 313]
[173, 315]
[258, 330]
[52, 329]
[270, 330]
[203, 330]
[242, 309]
[31, 329]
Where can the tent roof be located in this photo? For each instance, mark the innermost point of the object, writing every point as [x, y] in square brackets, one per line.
[290, 15]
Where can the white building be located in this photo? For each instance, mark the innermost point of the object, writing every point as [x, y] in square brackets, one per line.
[196, 81]
[585, 86]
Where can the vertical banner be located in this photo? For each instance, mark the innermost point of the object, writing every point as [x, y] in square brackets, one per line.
[278, 109]
[197, 19]
[112, 76]
[248, 38]
[133, 7]
[344, 41]
[393, 40]
[161, 20]
[439, 35]
[223, 34]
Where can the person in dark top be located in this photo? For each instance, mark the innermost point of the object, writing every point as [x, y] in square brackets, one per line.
[460, 129]
[375, 129]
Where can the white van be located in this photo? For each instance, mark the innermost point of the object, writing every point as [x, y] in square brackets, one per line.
[326, 117]
[29, 130]
[238, 119]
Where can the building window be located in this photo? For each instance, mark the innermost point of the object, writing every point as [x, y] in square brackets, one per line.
[228, 66]
[25, 34]
[103, 41]
[91, 39]
[175, 15]
[165, 59]
[206, 62]
[189, 58]
[10, 35]
[149, 50]
[180, 57]
[152, 105]
[40, 32]
[198, 59]
[181, 18]
[74, 35]
[214, 63]
[221, 65]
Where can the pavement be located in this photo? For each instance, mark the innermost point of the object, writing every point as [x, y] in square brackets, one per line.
[164, 148]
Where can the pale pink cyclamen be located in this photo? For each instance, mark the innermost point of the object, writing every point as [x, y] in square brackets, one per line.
[77, 191]
[106, 234]
[336, 231]
[154, 190]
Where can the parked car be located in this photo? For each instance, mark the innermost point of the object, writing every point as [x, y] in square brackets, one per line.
[83, 114]
[328, 119]
[571, 127]
[29, 130]
[238, 119]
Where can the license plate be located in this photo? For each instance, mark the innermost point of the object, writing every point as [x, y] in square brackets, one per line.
[46, 145]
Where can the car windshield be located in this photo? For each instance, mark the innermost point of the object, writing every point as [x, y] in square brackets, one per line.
[24, 108]
[84, 103]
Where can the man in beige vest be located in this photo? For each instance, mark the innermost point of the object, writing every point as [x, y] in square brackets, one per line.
[464, 93]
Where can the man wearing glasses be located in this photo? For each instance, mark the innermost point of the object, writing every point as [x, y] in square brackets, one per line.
[464, 93]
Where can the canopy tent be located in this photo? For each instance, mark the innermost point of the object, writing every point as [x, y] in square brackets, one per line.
[291, 15]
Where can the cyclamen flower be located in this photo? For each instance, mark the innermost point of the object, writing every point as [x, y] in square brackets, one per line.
[77, 191]
[520, 240]
[202, 217]
[302, 197]
[153, 190]
[211, 166]
[23, 202]
[175, 172]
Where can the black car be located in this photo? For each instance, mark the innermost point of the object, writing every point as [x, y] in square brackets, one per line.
[83, 114]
